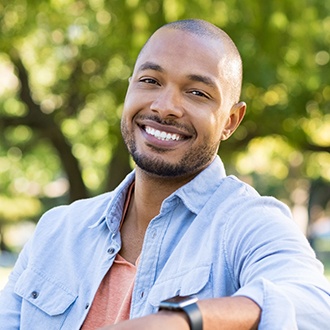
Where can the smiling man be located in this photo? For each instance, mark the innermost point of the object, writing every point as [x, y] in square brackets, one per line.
[182, 100]
[178, 244]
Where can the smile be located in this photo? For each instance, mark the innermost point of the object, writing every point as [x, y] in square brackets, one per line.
[161, 135]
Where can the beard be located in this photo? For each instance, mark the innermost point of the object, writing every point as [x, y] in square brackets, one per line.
[193, 160]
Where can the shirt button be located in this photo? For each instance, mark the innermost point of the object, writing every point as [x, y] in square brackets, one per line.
[34, 295]
[86, 306]
[111, 250]
[154, 234]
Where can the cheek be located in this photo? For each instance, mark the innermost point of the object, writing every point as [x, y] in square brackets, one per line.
[127, 106]
[134, 103]
[210, 127]
[127, 116]
[129, 110]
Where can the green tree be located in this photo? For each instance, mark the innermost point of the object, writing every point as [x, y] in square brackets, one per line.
[64, 69]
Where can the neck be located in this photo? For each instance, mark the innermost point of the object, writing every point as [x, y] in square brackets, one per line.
[146, 200]
[150, 191]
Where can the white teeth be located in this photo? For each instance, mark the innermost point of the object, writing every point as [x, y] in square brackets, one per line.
[162, 135]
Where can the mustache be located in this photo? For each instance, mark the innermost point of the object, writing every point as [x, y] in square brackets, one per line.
[167, 122]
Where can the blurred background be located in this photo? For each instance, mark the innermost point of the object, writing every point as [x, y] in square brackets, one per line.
[64, 68]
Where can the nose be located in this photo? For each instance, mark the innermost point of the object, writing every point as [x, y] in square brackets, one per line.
[168, 103]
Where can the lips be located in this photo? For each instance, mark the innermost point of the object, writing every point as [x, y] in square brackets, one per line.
[164, 129]
[163, 135]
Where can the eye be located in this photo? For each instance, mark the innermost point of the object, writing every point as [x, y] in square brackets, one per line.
[199, 93]
[149, 81]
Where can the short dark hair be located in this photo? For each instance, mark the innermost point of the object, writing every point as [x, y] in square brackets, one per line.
[198, 27]
[233, 66]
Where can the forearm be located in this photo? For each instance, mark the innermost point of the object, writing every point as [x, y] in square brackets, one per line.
[162, 320]
[229, 313]
[220, 313]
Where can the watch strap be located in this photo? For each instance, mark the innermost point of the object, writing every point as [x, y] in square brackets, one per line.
[194, 316]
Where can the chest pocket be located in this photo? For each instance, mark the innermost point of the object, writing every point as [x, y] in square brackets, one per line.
[43, 300]
[197, 281]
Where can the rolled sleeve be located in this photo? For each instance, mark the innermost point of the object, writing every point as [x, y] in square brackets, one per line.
[278, 312]
[277, 269]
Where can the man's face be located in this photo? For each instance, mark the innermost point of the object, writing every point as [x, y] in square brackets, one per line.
[174, 112]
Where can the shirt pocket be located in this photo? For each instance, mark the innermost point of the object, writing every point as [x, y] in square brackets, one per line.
[196, 281]
[44, 301]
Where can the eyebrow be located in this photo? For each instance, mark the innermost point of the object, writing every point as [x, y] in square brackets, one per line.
[151, 66]
[193, 77]
[203, 79]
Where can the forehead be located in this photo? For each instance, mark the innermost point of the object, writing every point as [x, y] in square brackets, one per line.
[176, 49]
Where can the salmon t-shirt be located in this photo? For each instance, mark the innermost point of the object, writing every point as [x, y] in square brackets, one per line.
[113, 298]
[112, 301]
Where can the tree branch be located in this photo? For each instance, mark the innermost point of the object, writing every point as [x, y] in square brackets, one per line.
[47, 127]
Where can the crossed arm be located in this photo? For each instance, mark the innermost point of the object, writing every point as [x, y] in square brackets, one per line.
[218, 313]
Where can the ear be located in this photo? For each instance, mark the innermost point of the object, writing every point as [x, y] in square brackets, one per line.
[236, 115]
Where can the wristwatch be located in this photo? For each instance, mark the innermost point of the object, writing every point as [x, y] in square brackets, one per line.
[186, 304]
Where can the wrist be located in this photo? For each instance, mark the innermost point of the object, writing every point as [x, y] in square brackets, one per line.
[179, 318]
[186, 306]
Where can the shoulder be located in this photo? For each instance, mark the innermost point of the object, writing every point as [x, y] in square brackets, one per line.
[250, 217]
[242, 197]
[241, 209]
[81, 213]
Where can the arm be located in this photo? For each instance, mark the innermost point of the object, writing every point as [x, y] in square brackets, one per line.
[271, 263]
[277, 269]
[218, 313]
[10, 303]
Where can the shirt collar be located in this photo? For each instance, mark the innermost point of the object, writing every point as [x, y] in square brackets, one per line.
[196, 192]
[112, 213]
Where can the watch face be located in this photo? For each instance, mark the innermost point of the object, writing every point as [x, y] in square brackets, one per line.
[178, 302]
[187, 305]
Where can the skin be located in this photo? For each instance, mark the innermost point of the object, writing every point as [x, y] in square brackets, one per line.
[175, 90]
[179, 87]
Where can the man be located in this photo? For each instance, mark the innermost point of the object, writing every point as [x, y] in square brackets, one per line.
[177, 226]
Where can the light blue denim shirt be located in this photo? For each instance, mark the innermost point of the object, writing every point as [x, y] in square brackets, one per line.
[213, 237]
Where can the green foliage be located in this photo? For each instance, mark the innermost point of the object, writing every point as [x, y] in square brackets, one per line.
[78, 55]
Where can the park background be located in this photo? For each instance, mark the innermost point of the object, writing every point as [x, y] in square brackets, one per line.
[64, 69]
